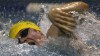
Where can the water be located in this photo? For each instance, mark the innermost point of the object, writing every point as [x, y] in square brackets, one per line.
[88, 30]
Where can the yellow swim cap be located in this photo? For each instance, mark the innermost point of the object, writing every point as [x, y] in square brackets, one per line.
[20, 26]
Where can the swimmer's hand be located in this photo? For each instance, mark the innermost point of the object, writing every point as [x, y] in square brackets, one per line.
[61, 17]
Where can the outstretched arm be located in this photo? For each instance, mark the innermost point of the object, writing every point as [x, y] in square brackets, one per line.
[61, 17]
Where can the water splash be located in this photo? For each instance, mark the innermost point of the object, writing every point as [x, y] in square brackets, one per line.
[88, 29]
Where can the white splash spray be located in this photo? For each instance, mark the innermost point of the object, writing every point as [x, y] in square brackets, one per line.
[88, 30]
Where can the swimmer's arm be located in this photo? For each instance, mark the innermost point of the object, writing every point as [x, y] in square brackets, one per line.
[61, 17]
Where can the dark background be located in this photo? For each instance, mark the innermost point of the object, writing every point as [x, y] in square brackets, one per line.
[20, 4]
[16, 9]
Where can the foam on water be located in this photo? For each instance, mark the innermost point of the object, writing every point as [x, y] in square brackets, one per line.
[88, 30]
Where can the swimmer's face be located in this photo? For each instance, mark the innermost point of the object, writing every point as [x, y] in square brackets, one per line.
[31, 36]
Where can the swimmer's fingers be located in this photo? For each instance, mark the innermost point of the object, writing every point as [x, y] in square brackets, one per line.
[65, 18]
[61, 16]
[66, 23]
[65, 27]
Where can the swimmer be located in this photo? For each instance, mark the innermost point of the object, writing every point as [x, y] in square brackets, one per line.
[62, 24]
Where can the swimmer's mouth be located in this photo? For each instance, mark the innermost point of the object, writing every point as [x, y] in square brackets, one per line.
[31, 43]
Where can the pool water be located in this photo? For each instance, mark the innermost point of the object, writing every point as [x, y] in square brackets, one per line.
[88, 30]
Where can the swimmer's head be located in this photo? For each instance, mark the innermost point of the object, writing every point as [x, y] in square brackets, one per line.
[27, 32]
